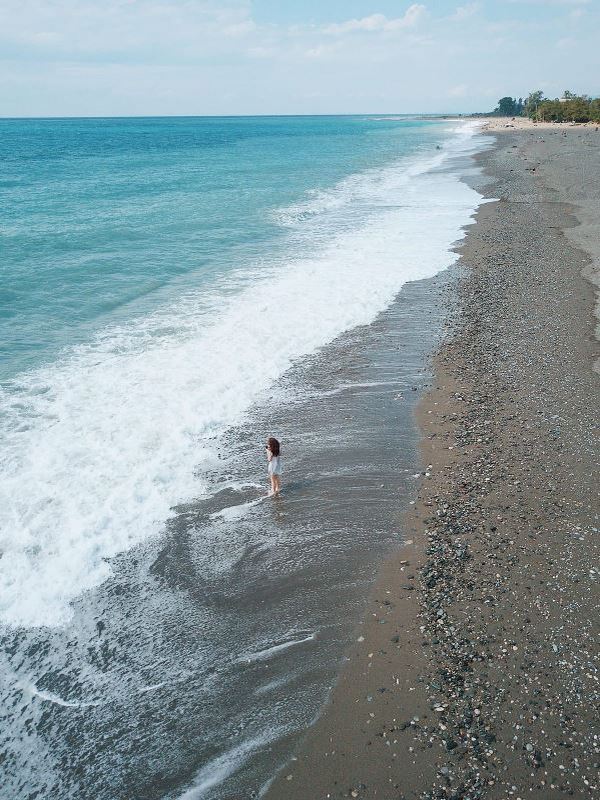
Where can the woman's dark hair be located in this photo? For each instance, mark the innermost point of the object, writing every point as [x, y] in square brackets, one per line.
[274, 446]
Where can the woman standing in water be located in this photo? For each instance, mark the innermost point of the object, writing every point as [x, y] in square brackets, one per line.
[274, 468]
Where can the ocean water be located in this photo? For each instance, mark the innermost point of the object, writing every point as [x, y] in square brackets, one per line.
[162, 279]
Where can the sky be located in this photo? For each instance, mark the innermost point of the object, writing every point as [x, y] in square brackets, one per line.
[213, 57]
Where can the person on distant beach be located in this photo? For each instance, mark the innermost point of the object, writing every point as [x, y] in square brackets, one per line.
[274, 468]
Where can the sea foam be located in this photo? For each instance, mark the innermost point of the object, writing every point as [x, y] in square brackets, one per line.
[99, 446]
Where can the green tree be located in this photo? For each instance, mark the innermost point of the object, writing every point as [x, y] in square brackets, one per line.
[577, 110]
[507, 107]
[568, 108]
[550, 111]
[533, 101]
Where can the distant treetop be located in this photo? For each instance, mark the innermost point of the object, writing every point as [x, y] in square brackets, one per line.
[509, 107]
[568, 108]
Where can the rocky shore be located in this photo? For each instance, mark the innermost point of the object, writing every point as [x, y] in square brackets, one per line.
[475, 673]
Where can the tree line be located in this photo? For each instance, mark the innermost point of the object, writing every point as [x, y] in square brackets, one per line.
[568, 108]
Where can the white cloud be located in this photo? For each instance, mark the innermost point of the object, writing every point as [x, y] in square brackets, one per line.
[379, 22]
[466, 11]
[375, 22]
[123, 31]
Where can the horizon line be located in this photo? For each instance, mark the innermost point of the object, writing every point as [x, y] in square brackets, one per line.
[229, 116]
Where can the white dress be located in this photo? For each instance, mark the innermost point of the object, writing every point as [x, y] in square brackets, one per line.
[275, 467]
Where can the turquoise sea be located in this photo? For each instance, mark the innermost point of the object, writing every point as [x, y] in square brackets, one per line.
[106, 220]
[161, 280]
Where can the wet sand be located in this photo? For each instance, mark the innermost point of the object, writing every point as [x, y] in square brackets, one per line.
[474, 673]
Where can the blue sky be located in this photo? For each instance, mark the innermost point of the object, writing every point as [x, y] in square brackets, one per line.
[130, 57]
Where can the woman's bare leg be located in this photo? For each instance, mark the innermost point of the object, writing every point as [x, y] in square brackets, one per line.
[273, 484]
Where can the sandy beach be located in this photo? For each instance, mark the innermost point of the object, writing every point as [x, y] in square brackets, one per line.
[474, 673]
[493, 124]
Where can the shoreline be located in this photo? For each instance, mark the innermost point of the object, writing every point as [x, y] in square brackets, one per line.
[482, 680]
[207, 652]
